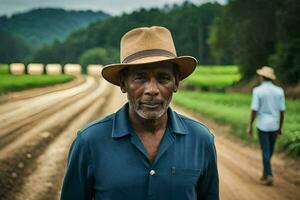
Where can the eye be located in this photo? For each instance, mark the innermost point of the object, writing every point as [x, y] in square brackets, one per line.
[164, 78]
[139, 77]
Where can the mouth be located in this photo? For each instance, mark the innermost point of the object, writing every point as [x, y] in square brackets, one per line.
[151, 105]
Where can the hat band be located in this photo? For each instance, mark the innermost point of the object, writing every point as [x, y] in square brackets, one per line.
[148, 53]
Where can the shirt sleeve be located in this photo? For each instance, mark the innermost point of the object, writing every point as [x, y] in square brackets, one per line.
[208, 184]
[282, 102]
[255, 101]
[78, 182]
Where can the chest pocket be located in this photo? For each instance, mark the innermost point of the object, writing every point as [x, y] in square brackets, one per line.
[185, 179]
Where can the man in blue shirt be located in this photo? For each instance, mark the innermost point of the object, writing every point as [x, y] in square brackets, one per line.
[145, 150]
[268, 105]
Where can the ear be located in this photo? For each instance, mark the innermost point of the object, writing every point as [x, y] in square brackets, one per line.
[122, 84]
[123, 90]
[175, 88]
[176, 82]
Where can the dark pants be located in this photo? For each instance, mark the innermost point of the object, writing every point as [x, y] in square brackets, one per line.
[267, 143]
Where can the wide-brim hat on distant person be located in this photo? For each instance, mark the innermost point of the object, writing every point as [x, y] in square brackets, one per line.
[148, 45]
[267, 72]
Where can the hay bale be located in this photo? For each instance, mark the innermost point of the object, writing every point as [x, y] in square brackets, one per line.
[94, 70]
[35, 68]
[17, 68]
[73, 69]
[53, 69]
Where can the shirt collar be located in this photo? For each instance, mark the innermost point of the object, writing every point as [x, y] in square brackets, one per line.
[122, 126]
[175, 123]
[267, 83]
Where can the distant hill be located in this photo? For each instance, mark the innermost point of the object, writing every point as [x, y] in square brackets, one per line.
[188, 23]
[13, 48]
[42, 26]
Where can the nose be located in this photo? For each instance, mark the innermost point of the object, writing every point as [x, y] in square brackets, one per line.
[151, 87]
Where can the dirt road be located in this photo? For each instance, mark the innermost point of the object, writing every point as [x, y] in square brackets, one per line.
[240, 168]
[33, 128]
[35, 139]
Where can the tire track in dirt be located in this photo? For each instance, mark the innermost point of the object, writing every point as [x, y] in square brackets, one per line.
[53, 160]
[25, 94]
[18, 155]
[22, 123]
[10, 110]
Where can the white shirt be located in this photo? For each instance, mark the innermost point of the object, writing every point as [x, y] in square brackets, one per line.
[268, 101]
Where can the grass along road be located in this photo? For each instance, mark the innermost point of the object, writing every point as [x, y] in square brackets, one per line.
[9, 82]
[234, 109]
[213, 77]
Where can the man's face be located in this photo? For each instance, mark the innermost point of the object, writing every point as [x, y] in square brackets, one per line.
[149, 89]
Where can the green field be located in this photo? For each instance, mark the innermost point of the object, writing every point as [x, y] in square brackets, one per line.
[234, 109]
[10, 82]
[213, 77]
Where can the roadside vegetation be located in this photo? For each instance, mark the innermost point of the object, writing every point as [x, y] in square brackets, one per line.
[213, 77]
[9, 83]
[234, 109]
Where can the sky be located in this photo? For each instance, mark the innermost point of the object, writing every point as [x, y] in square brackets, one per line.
[113, 7]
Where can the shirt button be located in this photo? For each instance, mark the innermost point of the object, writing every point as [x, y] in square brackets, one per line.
[152, 172]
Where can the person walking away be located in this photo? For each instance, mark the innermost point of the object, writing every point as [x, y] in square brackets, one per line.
[267, 107]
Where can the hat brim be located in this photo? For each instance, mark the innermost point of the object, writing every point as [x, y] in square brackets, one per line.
[186, 66]
[265, 74]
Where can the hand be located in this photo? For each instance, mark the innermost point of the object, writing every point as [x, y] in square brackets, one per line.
[279, 132]
[249, 130]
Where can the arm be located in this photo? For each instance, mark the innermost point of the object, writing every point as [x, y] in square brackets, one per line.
[254, 108]
[208, 184]
[78, 178]
[281, 122]
[282, 109]
[252, 118]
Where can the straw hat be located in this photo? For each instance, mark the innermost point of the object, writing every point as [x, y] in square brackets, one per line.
[267, 72]
[148, 45]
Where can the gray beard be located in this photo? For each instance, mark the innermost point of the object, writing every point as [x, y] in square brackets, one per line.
[151, 115]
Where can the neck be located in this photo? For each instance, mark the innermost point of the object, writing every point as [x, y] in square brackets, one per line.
[151, 126]
[266, 81]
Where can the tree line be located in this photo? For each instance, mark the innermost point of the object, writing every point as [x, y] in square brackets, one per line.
[188, 23]
[249, 33]
[252, 33]
[41, 26]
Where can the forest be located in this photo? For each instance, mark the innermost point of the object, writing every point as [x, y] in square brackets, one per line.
[247, 33]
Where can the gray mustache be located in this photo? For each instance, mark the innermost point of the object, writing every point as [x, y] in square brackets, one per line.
[152, 102]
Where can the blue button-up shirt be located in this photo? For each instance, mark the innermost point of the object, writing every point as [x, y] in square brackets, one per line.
[108, 161]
